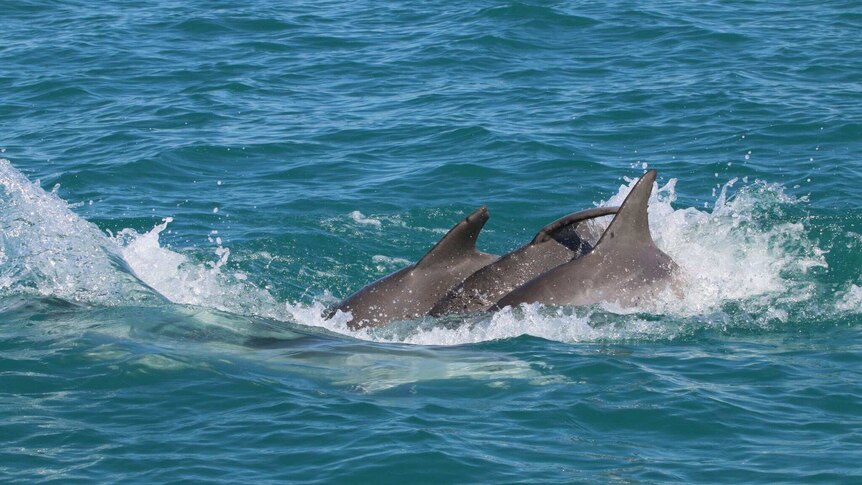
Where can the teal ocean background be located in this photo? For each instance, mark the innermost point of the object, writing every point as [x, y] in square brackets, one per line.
[185, 186]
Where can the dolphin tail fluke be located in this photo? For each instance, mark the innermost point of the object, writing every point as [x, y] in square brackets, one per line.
[569, 232]
[459, 242]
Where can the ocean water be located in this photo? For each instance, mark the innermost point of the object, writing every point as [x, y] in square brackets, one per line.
[185, 186]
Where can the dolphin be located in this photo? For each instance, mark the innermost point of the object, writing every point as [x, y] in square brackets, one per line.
[624, 267]
[411, 292]
[557, 243]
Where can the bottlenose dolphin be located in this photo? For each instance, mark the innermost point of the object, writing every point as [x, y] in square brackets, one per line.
[625, 266]
[557, 243]
[411, 292]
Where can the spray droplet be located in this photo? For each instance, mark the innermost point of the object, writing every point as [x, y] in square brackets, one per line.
[215, 210]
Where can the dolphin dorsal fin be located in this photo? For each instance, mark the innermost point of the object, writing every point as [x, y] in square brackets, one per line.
[630, 227]
[459, 242]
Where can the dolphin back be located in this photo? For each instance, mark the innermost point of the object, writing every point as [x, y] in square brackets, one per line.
[555, 244]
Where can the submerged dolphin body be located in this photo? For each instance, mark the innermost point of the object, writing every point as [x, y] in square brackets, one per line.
[624, 267]
[557, 243]
[411, 292]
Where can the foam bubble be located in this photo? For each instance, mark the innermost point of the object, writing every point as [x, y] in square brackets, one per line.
[360, 218]
[850, 300]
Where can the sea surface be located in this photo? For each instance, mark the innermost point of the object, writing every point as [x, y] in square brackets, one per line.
[186, 186]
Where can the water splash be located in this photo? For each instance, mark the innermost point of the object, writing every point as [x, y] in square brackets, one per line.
[740, 250]
[850, 300]
[741, 253]
[46, 249]
[182, 280]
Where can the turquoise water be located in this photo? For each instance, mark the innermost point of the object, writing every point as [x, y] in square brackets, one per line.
[186, 185]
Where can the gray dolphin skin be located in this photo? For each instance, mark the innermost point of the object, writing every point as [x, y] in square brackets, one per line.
[624, 267]
[557, 243]
[411, 292]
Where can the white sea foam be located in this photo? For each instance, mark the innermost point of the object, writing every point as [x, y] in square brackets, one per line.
[534, 320]
[360, 218]
[850, 300]
[725, 254]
